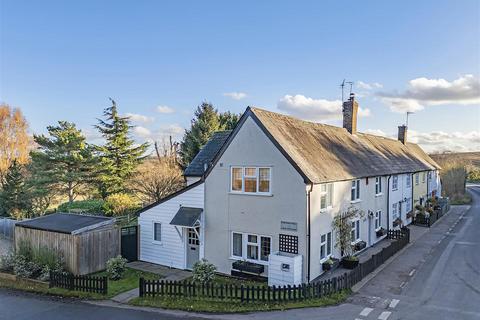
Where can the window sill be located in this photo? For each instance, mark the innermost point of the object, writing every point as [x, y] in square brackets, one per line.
[251, 194]
[379, 194]
[265, 263]
[326, 258]
[326, 209]
[356, 241]
[158, 243]
[356, 201]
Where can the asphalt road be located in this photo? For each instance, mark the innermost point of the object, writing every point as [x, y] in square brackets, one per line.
[436, 277]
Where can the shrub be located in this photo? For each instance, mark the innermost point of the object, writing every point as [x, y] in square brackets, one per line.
[203, 271]
[7, 261]
[83, 206]
[116, 267]
[119, 204]
[24, 268]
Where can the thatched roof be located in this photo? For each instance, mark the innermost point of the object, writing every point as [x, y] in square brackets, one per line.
[324, 153]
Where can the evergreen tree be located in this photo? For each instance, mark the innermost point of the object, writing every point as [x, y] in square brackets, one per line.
[119, 156]
[13, 198]
[63, 164]
[207, 120]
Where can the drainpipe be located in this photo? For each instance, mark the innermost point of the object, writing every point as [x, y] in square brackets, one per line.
[388, 203]
[308, 232]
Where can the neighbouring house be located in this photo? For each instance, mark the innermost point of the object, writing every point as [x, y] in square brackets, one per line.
[84, 242]
[264, 198]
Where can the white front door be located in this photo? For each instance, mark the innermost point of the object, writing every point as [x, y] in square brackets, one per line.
[193, 246]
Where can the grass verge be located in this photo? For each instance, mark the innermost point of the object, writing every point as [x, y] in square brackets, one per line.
[215, 306]
[460, 199]
[128, 282]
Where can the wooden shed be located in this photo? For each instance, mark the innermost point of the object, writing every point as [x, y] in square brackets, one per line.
[85, 242]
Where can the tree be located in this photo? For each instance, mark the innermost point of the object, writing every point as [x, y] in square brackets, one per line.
[13, 198]
[207, 120]
[157, 178]
[119, 156]
[14, 139]
[63, 164]
[342, 225]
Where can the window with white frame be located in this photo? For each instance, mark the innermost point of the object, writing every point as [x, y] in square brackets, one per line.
[325, 245]
[417, 178]
[394, 182]
[251, 246]
[378, 219]
[378, 185]
[424, 176]
[408, 205]
[408, 181]
[251, 180]
[355, 231]
[157, 232]
[326, 196]
[394, 211]
[355, 192]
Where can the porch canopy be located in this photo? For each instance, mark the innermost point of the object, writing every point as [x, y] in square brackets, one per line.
[186, 217]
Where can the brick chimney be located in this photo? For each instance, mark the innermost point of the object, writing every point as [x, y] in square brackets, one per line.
[402, 134]
[350, 112]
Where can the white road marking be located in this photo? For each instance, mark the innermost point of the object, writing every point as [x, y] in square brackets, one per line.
[365, 312]
[411, 272]
[384, 315]
[394, 303]
[403, 284]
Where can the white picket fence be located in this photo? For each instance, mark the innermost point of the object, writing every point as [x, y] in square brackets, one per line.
[7, 227]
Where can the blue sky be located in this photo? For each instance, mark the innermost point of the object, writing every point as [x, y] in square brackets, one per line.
[61, 60]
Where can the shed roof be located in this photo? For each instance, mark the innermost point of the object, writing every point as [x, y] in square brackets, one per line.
[324, 153]
[186, 217]
[66, 223]
[206, 155]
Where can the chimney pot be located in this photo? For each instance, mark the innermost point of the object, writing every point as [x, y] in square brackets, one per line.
[402, 134]
[350, 111]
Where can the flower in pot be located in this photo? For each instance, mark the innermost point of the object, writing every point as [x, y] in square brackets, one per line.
[350, 262]
[327, 265]
[380, 232]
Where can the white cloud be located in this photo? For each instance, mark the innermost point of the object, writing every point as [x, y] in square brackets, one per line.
[163, 132]
[235, 95]
[165, 109]
[422, 92]
[439, 141]
[142, 132]
[368, 86]
[139, 117]
[376, 132]
[314, 109]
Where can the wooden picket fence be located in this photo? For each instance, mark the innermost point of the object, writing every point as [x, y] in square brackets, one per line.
[78, 283]
[229, 292]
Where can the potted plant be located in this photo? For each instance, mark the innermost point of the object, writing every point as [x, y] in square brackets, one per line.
[380, 232]
[397, 222]
[330, 264]
[342, 225]
[246, 266]
[360, 245]
[410, 215]
[350, 262]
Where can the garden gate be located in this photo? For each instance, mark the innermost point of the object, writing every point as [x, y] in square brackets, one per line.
[129, 243]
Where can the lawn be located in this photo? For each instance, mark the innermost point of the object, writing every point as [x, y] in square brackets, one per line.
[213, 306]
[128, 282]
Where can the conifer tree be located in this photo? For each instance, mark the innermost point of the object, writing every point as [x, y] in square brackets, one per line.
[207, 120]
[13, 198]
[119, 156]
[63, 162]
